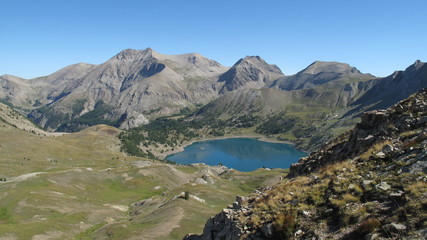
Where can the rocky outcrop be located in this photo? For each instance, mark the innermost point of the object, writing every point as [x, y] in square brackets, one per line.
[370, 183]
[384, 92]
[375, 126]
[249, 72]
[221, 227]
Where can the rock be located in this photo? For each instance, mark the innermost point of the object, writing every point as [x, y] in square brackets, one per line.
[199, 181]
[397, 194]
[422, 120]
[294, 202]
[329, 210]
[395, 227]
[422, 233]
[372, 236]
[380, 155]
[222, 226]
[417, 167]
[267, 230]
[383, 186]
[366, 183]
[306, 213]
[387, 149]
[298, 233]
[240, 199]
[208, 179]
[369, 137]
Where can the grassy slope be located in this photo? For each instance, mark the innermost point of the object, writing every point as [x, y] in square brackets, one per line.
[79, 186]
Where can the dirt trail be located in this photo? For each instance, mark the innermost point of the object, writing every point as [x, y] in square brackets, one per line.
[23, 177]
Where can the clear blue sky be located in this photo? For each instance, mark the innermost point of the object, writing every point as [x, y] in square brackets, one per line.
[376, 36]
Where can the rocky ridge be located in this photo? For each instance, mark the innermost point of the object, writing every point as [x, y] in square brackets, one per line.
[136, 86]
[369, 183]
[318, 73]
[249, 72]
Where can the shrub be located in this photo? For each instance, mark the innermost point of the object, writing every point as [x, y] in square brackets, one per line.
[285, 223]
[367, 226]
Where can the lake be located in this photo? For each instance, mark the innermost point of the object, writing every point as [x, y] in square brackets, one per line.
[243, 154]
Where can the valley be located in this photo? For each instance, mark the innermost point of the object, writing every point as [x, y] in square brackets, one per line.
[189, 91]
[80, 186]
[82, 150]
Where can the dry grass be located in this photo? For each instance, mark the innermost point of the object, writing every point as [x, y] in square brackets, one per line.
[374, 149]
[417, 189]
[333, 169]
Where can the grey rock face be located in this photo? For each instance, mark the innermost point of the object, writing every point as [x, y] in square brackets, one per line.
[386, 91]
[249, 72]
[138, 83]
[220, 227]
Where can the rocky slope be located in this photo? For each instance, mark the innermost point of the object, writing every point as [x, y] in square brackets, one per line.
[369, 183]
[384, 92]
[135, 84]
[318, 103]
[319, 73]
[130, 88]
[10, 117]
[249, 72]
[28, 94]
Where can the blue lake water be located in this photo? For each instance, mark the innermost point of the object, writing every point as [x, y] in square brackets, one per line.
[243, 154]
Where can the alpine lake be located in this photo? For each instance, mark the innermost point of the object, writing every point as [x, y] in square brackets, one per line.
[243, 154]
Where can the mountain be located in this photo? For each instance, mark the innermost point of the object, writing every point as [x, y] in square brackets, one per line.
[261, 102]
[130, 88]
[126, 90]
[319, 73]
[368, 183]
[13, 119]
[249, 72]
[137, 86]
[386, 91]
[28, 94]
[324, 100]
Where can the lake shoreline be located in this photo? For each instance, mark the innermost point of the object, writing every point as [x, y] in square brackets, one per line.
[243, 153]
[254, 136]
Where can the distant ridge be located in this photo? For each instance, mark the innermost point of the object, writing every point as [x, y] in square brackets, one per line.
[136, 86]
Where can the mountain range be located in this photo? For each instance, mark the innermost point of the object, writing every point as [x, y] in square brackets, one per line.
[136, 86]
[369, 183]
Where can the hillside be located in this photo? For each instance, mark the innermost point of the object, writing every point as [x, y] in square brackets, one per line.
[319, 73]
[369, 183]
[325, 100]
[136, 87]
[81, 186]
[11, 118]
[249, 72]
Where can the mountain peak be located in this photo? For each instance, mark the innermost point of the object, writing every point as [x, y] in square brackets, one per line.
[260, 63]
[335, 67]
[417, 65]
[249, 72]
[128, 54]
